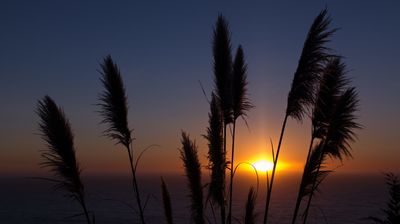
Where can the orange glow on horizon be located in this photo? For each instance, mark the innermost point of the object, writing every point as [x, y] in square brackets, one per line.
[263, 165]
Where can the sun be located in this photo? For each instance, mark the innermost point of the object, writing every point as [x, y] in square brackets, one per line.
[263, 165]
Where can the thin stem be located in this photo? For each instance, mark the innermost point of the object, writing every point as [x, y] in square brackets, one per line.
[267, 202]
[222, 210]
[301, 188]
[313, 186]
[231, 181]
[135, 185]
[223, 202]
[83, 204]
[314, 183]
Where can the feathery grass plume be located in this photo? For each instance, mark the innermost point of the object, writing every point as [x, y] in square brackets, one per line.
[250, 216]
[114, 109]
[240, 105]
[193, 173]
[302, 92]
[331, 85]
[240, 101]
[312, 171]
[166, 202]
[342, 125]
[60, 157]
[340, 133]
[311, 62]
[317, 159]
[223, 67]
[113, 104]
[216, 155]
[392, 211]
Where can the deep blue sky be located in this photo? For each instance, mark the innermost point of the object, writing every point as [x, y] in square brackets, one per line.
[164, 49]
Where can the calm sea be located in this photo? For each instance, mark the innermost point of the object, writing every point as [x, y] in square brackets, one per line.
[342, 199]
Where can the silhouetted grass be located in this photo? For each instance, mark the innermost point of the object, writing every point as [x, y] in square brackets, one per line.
[319, 87]
[60, 154]
[222, 65]
[331, 85]
[250, 216]
[301, 94]
[314, 169]
[193, 173]
[240, 106]
[216, 156]
[114, 109]
[166, 202]
[222, 57]
[392, 210]
[340, 132]
[231, 89]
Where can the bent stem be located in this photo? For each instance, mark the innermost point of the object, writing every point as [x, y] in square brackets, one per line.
[267, 202]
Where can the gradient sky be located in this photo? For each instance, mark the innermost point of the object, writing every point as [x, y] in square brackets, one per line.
[164, 49]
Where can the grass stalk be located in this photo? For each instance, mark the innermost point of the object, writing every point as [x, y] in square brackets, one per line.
[339, 134]
[193, 173]
[216, 156]
[271, 181]
[135, 184]
[114, 109]
[60, 156]
[302, 92]
[302, 184]
[231, 175]
[314, 183]
[166, 202]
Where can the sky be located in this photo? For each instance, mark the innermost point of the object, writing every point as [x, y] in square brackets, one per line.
[163, 49]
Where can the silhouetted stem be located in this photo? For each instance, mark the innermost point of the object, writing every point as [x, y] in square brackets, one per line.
[231, 181]
[135, 185]
[314, 184]
[223, 202]
[301, 188]
[267, 202]
[83, 204]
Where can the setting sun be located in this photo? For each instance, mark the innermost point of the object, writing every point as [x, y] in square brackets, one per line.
[263, 165]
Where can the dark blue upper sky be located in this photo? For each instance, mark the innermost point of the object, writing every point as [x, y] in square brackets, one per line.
[164, 49]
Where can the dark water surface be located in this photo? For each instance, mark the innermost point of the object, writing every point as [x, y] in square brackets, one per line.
[344, 198]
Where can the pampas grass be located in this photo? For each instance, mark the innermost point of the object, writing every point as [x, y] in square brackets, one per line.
[240, 106]
[114, 110]
[193, 173]
[331, 85]
[301, 94]
[392, 210]
[216, 156]
[59, 157]
[223, 67]
[340, 132]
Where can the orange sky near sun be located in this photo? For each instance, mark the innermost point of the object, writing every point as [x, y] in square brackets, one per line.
[99, 156]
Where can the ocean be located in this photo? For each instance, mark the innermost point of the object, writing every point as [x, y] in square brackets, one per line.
[343, 198]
